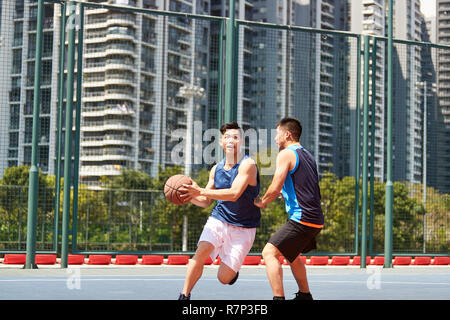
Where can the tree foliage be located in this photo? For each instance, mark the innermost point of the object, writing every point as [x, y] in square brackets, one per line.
[130, 212]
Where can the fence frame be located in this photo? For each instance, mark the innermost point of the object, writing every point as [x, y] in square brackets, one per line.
[227, 92]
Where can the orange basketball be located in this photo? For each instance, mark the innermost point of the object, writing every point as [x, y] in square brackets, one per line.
[171, 188]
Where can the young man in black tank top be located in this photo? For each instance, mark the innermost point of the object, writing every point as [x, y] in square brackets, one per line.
[295, 175]
[235, 193]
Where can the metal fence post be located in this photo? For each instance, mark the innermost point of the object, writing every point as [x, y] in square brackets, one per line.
[220, 89]
[34, 171]
[231, 65]
[68, 136]
[357, 142]
[60, 123]
[372, 143]
[389, 185]
[76, 162]
[365, 152]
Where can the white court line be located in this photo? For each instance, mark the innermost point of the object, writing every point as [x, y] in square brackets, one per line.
[241, 280]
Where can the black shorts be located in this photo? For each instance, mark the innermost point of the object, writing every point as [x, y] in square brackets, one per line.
[294, 238]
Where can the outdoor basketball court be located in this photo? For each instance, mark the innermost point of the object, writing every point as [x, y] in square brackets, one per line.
[165, 283]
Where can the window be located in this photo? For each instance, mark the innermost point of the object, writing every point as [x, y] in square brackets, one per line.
[27, 155]
[28, 130]
[45, 100]
[14, 117]
[47, 44]
[43, 158]
[17, 62]
[18, 34]
[13, 139]
[14, 94]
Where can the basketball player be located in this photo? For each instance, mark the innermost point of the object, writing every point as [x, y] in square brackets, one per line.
[296, 176]
[230, 230]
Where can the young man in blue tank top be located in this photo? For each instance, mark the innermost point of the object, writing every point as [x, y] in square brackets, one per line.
[230, 230]
[297, 179]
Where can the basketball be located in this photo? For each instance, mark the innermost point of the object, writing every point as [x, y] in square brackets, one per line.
[171, 188]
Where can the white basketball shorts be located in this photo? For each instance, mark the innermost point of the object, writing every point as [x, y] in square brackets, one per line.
[231, 243]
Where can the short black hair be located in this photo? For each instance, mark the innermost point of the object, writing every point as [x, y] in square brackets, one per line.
[293, 126]
[229, 125]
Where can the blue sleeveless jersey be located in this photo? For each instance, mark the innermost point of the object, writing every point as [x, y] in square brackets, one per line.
[301, 190]
[242, 212]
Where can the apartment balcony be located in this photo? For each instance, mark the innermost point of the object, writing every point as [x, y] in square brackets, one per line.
[372, 2]
[122, 19]
[326, 25]
[108, 124]
[369, 11]
[372, 24]
[120, 79]
[326, 54]
[106, 49]
[107, 110]
[328, 13]
[176, 49]
[100, 37]
[119, 65]
[325, 135]
[106, 157]
[93, 96]
[179, 76]
[147, 154]
[97, 66]
[115, 48]
[107, 140]
[114, 94]
[100, 170]
[108, 151]
[180, 23]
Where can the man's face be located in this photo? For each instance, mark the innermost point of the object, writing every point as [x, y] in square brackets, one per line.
[281, 138]
[231, 141]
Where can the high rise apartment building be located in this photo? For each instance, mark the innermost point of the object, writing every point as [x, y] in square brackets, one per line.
[133, 68]
[134, 65]
[368, 18]
[17, 54]
[443, 85]
[408, 111]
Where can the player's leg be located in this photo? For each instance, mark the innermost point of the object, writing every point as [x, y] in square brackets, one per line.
[208, 245]
[306, 241]
[226, 274]
[238, 243]
[195, 266]
[299, 271]
[274, 269]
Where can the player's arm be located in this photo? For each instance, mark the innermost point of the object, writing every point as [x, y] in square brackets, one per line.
[247, 172]
[199, 200]
[283, 164]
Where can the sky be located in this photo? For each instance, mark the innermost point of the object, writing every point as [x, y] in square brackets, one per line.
[428, 7]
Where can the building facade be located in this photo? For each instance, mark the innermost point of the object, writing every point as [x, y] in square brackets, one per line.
[443, 85]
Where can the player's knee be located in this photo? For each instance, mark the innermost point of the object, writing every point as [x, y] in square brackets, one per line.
[269, 251]
[224, 278]
[203, 251]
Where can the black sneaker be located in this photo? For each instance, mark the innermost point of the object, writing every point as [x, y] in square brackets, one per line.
[183, 297]
[303, 296]
[234, 279]
[278, 298]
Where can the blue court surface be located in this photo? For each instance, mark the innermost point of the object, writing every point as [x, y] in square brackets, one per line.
[166, 281]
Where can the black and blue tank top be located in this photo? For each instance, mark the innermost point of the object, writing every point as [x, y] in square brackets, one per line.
[242, 212]
[301, 190]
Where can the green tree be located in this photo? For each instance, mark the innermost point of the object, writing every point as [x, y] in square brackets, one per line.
[14, 207]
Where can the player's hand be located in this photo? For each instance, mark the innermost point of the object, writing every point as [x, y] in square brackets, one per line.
[190, 190]
[258, 202]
